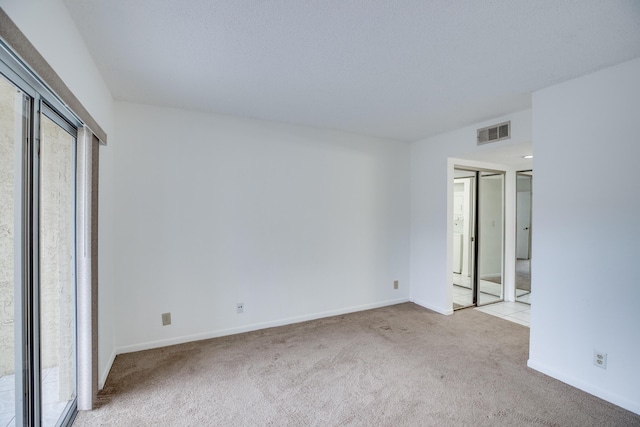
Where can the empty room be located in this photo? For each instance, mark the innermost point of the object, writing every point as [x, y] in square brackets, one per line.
[350, 213]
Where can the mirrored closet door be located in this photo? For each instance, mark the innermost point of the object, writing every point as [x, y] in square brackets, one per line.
[478, 237]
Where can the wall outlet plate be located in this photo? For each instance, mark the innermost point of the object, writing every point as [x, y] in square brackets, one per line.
[166, 319]
[396, 283]
[600, 359]
[240, 307]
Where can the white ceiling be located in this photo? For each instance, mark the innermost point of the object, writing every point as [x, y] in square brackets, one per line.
[400, 69]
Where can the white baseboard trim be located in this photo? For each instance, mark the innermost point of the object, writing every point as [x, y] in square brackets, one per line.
[254, 327]
[107, 369]
[584, 386]
[445, 311]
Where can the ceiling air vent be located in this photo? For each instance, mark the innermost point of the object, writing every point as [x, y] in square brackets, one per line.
[494, 133]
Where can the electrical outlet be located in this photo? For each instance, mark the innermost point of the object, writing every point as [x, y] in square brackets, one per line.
[166, 319]
[240, 307]
[600, 359]
[395, 284]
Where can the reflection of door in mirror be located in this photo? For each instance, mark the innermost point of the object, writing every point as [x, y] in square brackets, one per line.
[458, 225]
[523, 236]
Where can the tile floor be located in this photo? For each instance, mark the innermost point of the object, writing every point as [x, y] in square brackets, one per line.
[516, 312]
[523, 296]
[7, 401]
[51, 408]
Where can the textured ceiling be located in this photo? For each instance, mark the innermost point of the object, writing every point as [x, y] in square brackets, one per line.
[399, 69]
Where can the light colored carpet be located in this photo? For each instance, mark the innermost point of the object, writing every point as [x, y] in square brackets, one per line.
[395, 366]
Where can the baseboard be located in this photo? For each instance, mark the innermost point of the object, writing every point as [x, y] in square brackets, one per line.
[254, 327]
[105, 373]
[445, 311]
[587, 387]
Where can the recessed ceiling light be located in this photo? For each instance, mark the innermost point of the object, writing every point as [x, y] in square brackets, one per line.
[528, 156]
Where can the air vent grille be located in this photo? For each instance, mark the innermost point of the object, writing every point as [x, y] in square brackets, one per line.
[494, 133]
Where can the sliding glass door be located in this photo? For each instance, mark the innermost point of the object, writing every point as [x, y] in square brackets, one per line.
[57, 266]
[37, 254]
[14, 112]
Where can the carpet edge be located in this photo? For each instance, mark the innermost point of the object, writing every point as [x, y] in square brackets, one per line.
[586, 387]
[253, 327]
[445, 311]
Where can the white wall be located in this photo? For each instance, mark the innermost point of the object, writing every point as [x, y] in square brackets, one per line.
[432, 162]
[48, 26]
[585, 240]
[213, 210]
